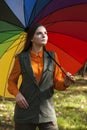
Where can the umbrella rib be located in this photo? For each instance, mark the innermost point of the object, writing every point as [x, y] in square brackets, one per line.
[64, 51]
[34, 10]
[59, 21]
[9, 31]
[13, 46]
[50, 24]
[16, 26]
[9, 68]
[65, 8]
[78, 38]
[61, 9]
[8, 41]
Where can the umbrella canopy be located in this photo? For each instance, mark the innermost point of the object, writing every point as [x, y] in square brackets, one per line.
[66, 23]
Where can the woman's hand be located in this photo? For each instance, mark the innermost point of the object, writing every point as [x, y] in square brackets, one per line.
[69, 79]
[21, 101]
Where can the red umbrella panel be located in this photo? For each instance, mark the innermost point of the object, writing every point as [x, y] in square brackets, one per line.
[67, 31]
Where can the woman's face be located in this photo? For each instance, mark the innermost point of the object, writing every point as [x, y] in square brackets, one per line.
[40, 37]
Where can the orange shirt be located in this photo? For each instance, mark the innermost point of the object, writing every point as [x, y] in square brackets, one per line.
[37, 66]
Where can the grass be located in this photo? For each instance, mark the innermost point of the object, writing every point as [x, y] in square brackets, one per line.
[72, 111]
[6, 114]
[70, 106]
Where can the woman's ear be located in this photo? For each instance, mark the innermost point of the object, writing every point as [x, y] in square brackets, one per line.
[31, 40]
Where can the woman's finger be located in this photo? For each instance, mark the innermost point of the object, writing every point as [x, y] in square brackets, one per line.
[20, 99]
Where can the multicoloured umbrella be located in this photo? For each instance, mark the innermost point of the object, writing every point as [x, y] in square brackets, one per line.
[66, 23]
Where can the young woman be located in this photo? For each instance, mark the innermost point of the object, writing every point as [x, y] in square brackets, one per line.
[40, 76]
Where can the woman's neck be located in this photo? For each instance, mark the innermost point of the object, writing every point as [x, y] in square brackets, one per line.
[36, 49]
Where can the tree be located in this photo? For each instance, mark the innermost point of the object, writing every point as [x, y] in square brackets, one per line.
[83, 70]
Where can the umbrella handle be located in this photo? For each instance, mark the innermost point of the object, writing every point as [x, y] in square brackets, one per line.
[59, 65]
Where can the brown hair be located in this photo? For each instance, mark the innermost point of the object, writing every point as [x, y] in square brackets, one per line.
[30, 34]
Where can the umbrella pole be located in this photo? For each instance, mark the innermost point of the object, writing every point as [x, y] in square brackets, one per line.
[58, 65]
[56, 62]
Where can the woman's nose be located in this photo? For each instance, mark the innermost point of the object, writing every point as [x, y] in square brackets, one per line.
[43, 35]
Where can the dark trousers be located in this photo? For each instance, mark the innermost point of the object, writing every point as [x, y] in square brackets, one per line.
[41, 126]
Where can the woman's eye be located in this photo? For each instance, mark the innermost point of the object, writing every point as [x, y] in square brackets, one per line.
[39, 33]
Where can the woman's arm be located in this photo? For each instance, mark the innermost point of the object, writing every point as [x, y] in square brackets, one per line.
[13, 78]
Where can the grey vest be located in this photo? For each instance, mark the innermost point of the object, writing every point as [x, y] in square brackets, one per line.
[39, 96]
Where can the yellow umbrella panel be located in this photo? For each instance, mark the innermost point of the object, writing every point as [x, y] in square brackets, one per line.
[7, 60]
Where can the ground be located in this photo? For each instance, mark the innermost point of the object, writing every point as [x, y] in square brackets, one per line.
[70, 106]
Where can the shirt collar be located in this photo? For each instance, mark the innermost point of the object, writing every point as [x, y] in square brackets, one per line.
[33, 54]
